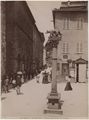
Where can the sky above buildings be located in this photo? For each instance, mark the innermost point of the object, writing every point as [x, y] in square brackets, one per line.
[42, 12]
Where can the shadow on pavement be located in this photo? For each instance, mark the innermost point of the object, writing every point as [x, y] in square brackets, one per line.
[21, 93]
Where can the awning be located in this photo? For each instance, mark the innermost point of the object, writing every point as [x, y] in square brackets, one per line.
[81, 61]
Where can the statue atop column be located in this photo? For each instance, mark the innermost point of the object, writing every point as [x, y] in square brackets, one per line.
[53, 39]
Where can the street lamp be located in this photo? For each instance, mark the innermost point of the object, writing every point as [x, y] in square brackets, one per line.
[54, 104]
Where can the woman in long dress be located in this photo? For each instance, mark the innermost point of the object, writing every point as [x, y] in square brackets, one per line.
[68, 85]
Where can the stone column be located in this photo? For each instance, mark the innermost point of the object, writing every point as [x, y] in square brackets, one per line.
[54, 104]
[54, 67]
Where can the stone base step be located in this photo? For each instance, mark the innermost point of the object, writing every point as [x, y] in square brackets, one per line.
[53, 111]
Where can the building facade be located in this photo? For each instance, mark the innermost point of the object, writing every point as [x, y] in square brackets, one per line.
[38, 40]
[18, 31]
[72, 21]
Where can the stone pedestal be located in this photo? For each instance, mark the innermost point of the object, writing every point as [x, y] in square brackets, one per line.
[54, 104]
[54, 101]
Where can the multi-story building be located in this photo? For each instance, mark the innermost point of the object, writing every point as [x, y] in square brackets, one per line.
[72, 21]
[18, 26]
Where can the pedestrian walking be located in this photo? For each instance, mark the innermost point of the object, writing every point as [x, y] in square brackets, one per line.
[38, 77]
[24, 76]
[68, 85]
[18, 84]
[14, 82]
[48, 71]
[22, 79]
[6, 84]
[2, 86]
[41, 76]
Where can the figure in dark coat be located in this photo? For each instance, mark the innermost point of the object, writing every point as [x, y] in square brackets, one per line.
[45, 77]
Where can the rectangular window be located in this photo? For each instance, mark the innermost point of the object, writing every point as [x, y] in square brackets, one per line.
[79, 23]
[58, 66]
[79, 47]
[81, 50]
[86, 73]
[73, 23]
[66, 24]
[65, 68]
[65, 48]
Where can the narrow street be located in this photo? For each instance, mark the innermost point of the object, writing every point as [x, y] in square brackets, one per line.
[48, 40]
[32, 102]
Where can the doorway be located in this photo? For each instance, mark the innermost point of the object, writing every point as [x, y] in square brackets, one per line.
[65, 69]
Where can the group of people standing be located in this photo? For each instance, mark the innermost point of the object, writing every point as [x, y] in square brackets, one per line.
[44, 76]
[14, 81]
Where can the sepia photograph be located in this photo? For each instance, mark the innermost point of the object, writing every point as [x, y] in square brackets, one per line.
[44, 59]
